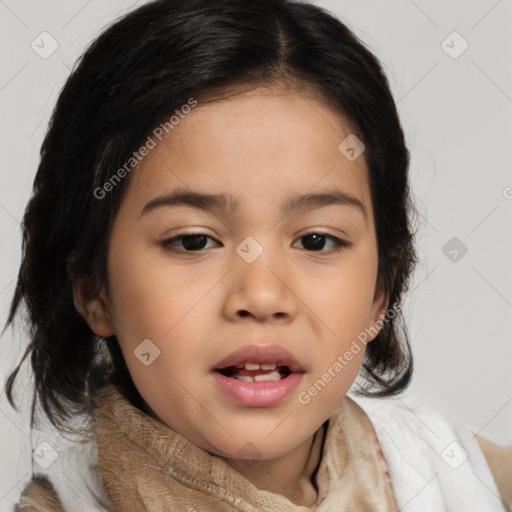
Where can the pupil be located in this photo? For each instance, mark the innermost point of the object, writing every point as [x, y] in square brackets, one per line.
[193, 242]
[318, 241]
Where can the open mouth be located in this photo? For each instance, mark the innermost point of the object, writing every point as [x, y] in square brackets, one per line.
[255, 372]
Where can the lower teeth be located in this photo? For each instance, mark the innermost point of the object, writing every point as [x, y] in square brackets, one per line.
[272, 376]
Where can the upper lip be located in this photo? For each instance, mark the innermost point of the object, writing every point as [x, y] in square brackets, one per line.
[260, 354]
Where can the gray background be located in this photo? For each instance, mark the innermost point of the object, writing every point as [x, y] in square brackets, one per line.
[457, 116]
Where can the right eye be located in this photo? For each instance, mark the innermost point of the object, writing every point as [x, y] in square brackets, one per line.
[190, 242]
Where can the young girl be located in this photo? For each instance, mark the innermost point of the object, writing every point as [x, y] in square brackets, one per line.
[218, 244]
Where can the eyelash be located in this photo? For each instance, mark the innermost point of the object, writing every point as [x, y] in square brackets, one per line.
[339, 244]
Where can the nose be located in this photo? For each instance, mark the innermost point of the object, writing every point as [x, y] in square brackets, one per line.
[262, 289]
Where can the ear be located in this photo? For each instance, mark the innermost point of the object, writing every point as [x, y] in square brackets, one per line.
[379, 308]
[93, 307]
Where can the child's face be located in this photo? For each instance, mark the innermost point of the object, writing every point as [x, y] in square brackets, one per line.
[299, 293]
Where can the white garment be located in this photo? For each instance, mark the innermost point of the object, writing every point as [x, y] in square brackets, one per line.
[72, 473]
[433, 467]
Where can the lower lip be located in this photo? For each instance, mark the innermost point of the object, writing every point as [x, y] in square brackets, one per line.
[258, 394]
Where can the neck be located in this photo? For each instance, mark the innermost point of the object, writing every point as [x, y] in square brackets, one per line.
[290, 475]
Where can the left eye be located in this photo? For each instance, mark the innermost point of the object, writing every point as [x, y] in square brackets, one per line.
[315, 242]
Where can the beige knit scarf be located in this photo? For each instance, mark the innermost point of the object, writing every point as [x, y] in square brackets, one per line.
[146, 466]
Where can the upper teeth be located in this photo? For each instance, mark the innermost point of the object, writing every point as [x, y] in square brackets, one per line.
[272, 376]
[257, 366]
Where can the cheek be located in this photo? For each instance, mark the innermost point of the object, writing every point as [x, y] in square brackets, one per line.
[149, 296]
[153, 302]
[345, 297]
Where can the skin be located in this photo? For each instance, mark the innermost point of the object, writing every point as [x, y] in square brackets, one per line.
[260, 146]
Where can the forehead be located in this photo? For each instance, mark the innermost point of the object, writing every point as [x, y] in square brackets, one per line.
[256, 146]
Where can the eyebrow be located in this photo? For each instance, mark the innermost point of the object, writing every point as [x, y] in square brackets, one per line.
[211, 202]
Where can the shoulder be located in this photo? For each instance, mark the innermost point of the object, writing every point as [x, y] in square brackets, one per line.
[420, 443]
[499, 459]
[39, 496]
[70, 481]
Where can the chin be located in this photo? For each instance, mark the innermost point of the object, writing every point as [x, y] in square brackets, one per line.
[254, 448]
